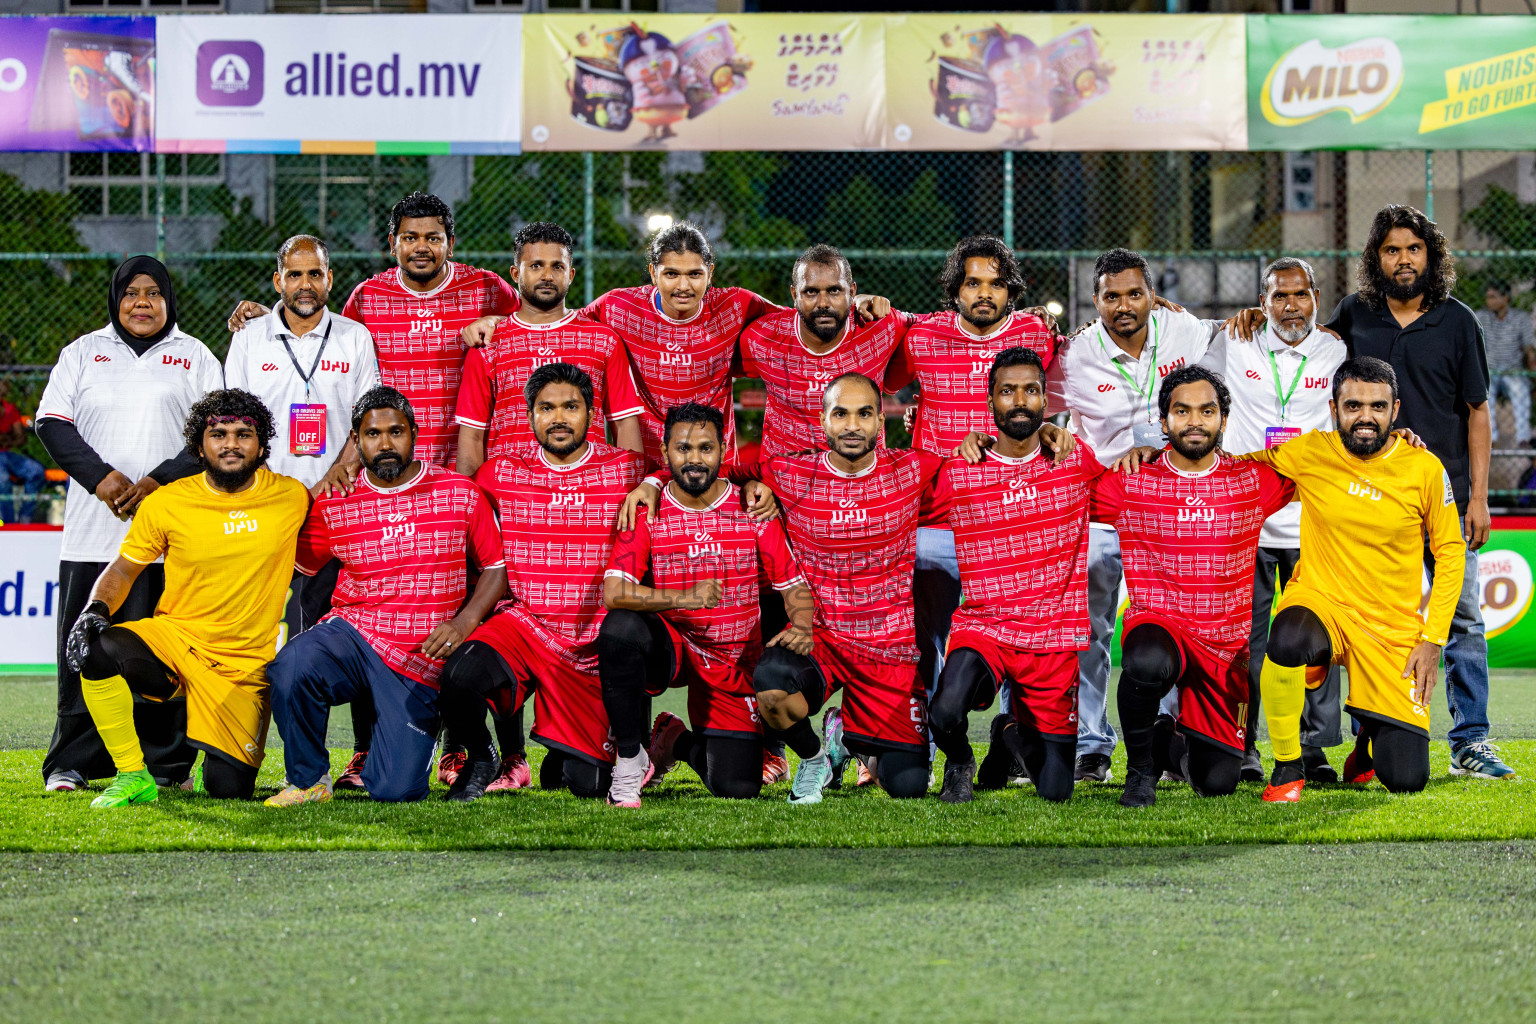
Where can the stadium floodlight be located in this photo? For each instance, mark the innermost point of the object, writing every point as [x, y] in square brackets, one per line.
[1053, 307]
[658, 222]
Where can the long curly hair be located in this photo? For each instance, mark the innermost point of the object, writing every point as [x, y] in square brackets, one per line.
[1439, 272]
[231, 403]
[986, 247]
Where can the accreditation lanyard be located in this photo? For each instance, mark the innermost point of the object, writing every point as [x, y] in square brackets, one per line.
[1284, 397]
[307, 377]
[1141, 391]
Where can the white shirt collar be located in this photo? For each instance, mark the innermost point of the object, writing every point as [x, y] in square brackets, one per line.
[544, 457]
[570, 315]
[667, 496]
[279, 328]
[826, 461]
[1005, 325]
[421, 475]
[1190, 476]
[400, 280]
[656, 308]
[993, 453]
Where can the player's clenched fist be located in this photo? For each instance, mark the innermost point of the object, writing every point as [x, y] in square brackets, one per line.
[703, 594]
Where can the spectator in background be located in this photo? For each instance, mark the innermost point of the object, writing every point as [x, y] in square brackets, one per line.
[112, 417]
[1511, 345]
[16, 466]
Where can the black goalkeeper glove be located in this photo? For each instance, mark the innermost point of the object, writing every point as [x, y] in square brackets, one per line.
[90, 625]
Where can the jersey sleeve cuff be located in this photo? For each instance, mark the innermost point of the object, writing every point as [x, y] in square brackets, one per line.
[620, 574]
[1438, 641]
[137, 561]
[301, 567]
[653, 480]
[798, 581]
[624, 414]
[466, 422]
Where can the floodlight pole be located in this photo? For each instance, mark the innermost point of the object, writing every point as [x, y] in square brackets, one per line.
[587, 232]
[1429, 184]
[1008, 197]
[160, 207]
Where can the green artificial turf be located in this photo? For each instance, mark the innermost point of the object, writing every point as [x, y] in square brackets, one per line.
[1369, 932]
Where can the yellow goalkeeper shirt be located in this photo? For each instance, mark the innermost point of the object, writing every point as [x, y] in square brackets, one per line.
[1363, 525]
[228, 558]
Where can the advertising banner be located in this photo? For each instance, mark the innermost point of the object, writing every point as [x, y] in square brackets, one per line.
[1398, 82]
[1044, 81]
[703, 82]
[77, 84]
[29, 595]
[383, 83]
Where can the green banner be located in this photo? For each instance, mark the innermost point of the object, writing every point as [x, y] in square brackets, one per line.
[1391, 82]
[1505, 589]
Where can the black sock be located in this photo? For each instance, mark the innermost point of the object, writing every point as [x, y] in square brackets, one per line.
[509, 735]
[1138, 700]
[802, 739]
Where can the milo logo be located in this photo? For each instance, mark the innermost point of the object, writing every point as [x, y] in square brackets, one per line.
[1311, 80]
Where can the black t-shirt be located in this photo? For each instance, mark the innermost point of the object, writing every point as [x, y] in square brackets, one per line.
[1441, 366]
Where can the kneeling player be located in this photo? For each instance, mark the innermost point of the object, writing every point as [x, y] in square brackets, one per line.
[1368, 501]
[227, 536]
[398, 610]
[1189, 527]
[1021, 537]
[557, 500]
[698, 624]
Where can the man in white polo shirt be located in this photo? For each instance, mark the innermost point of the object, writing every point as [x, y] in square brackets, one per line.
[112, 417]
[1107, 376]
[1281, 382]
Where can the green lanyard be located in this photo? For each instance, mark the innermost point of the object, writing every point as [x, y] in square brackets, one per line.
[1285, 398]
[1141, 391]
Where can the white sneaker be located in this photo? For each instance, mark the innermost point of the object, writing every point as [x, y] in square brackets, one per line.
[64, 782]
[630, 774]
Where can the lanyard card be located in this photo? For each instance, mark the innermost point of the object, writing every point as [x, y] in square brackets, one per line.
[1274, 437]
[306, 429]
[1147, 435]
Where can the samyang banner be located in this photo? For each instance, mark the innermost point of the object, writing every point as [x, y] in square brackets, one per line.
[1391, 82]
[703, 82]
[383, 83]
[77, 84]
[1055, 81]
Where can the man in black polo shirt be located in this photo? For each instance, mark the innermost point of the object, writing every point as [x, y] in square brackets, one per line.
[1404, 314]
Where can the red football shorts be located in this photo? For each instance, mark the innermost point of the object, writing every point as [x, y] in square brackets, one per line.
[884, 705]
[1043, 684]
[568, 713]
[1213, 692]
[721, 701]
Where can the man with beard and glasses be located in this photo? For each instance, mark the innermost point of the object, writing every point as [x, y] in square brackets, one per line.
[492, 415]
[402, 536]
[112, 417]
[557, 501]
[1107, 376]
[1281, 385]
[1188, 524]
[852, 514]
[1370, 504]
[695, 623]
[1021, 539]
[227, 537]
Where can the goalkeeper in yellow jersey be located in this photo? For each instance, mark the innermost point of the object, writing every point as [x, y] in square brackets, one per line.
[1368, 501]
[228, 536]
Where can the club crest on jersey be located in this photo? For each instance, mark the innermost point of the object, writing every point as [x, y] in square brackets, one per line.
[241, 522]
[704, 544]
[1018, 491]
[103, 359]
[1364, 490]
[425, 323]
[268, 367]
[567, 499]
[848, 511]
[1316, 382]
[1196, 511]
[402, 530]
[185, 362]
[328, 365]
[676, 359]
[1163, 371]
[981, 366]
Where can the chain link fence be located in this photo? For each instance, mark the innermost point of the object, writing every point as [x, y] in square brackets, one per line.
[1208, 222]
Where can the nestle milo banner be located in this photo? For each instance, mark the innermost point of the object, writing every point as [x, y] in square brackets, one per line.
[1504, 588]
[1391, 82]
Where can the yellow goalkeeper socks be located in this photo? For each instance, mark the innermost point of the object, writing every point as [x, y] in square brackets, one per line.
[111, 705]
[1284, 692]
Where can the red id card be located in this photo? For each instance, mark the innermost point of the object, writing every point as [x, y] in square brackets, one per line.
[1274, 437]
[306, 429]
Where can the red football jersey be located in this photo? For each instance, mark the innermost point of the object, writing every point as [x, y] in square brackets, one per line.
[950, 365]
[492, 398]
[856, 541]
[1188, 543]
[402, 559]
[677, 361]
[796, 377]
[417, 338]
[682, 546]
[557, 534]
[1021, 538]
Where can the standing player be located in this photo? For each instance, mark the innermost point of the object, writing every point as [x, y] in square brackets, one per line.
[795, 352]
[1370, 503]
[1280, 388]
[1189, 525]
[401, 535]
[492, 412]
[112, 417]
[1107, 378]
[227, 537]
[696, 624]
[557, 503]
[1021, 539]
[949, 354]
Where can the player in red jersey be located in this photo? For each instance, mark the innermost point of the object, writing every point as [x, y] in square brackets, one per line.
[557, 502]
[949, 354]
[1021, 538]
[401, 535]
[795, 352]
[492, 414]
[696, 623]
[1189, 527]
